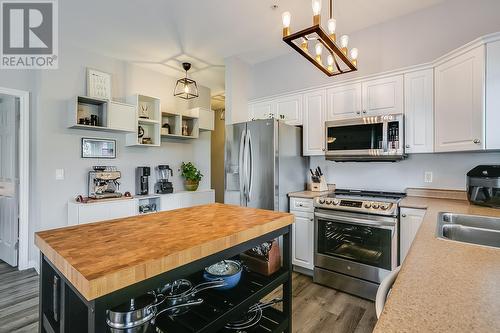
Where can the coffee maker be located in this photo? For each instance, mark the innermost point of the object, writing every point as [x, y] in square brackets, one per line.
[142, 180]
[164, 185]
[103, 183]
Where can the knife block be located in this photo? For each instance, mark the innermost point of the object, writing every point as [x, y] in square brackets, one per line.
[321, 186]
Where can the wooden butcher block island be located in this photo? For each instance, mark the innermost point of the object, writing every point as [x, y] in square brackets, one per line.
[89, 269]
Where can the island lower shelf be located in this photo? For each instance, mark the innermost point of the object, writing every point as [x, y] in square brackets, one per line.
[64, 309]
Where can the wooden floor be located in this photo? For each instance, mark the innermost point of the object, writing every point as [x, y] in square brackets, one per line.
[315, 308]
[18, 299]
[320, 309]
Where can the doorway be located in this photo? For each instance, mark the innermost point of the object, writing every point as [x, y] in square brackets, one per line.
[217, 147]
[14, 177]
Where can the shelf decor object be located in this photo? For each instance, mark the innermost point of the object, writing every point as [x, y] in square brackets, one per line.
[317, 46]
[98, 148]
[186, 88]
[98, 84]
[191, 175]
[148, 121]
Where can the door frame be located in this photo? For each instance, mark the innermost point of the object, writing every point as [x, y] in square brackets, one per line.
[24, 174]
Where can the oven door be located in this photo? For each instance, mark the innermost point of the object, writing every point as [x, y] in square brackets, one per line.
[360, 245]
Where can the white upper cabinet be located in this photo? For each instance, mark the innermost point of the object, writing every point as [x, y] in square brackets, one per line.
[419, 111]
[289, 109]
[459, 95]
[263, 110]
[122, 116]
[493, 95]
[383, 96]
[314, 123]
[344, 102]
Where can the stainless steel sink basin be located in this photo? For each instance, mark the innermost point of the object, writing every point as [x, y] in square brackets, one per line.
[473, 229]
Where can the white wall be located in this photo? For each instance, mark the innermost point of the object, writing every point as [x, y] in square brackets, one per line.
[448, 170]
[409, 40]
[54, 146]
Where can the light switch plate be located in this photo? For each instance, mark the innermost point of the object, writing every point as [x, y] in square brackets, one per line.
[59, 174]
[428, 177]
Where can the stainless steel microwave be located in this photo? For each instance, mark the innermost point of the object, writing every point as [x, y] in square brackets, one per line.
[369, 138]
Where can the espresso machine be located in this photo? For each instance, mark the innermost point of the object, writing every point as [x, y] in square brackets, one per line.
[142, 180]
[164, 185]
[103, 183]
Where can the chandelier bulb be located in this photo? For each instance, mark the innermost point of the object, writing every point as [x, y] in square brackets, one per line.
[344, 40]
[354, 54]
[286, 17]
[316, 7]
[332, 25]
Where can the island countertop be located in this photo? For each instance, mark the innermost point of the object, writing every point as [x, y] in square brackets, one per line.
[444, 286]
[102, 257]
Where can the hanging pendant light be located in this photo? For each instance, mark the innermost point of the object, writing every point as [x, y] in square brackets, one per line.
[185, 87]
[339, 59]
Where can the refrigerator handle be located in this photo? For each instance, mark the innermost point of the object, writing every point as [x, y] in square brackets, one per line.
[242, 168]
[249, 175]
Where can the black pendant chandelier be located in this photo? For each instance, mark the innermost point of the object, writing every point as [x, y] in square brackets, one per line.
[186, 88]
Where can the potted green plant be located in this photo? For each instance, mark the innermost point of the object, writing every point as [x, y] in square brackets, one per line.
[192, 176]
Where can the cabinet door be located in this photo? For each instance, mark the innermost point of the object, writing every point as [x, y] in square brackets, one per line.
[303, 240]
[492, 95]
[289, 109]
[411, 219]
[383, 96]
[122, 116]
[206, 119]
[459, 95]
[170, 201]
[344, 102]
[314, 123]
[263, 110]
[106, 211]
[419, 111]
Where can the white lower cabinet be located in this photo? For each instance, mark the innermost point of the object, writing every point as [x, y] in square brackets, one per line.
[410, 222]
[303, 233]
[100, 211]
[79, 213]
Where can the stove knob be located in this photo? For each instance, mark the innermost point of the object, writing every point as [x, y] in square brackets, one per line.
[321, 201]
[336, 201]
[375, 205]
[384, 206]
[368, 204]
[328, 201]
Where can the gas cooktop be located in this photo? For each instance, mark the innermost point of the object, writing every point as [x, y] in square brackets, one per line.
[369, 202]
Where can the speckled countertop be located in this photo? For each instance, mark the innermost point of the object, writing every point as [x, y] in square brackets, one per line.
[444, 286]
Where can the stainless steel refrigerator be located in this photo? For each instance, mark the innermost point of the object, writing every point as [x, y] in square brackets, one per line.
[263, 162]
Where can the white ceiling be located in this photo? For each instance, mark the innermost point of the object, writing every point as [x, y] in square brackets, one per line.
[160, 34]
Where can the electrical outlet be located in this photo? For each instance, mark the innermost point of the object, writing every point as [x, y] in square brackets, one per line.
[428, 177]
[59, 174]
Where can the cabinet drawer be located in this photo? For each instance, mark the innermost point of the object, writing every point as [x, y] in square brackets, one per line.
[302, 205]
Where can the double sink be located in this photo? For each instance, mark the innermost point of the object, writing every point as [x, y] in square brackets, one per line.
[472, 229]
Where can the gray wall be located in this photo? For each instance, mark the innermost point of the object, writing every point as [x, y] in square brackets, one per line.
[54, 146]
[410, 40]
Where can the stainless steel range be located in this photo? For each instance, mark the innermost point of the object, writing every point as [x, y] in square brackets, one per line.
[355, 240]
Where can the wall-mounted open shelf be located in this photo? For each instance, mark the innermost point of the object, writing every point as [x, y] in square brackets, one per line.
[148, 117]
[176, 123]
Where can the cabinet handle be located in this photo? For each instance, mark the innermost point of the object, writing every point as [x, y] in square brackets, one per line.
[358, 112]
[407, 146]
[300, 205]
[403, 215]
[476, 141]
[324, 149]
[311, 220]
[364, 111]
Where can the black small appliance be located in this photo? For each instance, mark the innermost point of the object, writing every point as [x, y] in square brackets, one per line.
[142, 180]
[483, 185]
[164, 185]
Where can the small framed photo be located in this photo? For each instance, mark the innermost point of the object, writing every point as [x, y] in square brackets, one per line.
[98, 84]
[98, 148]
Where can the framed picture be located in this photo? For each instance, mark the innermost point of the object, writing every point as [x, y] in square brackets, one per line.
[98, 148]
[98, 84]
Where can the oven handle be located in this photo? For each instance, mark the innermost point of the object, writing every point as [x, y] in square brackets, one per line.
[378, 224]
